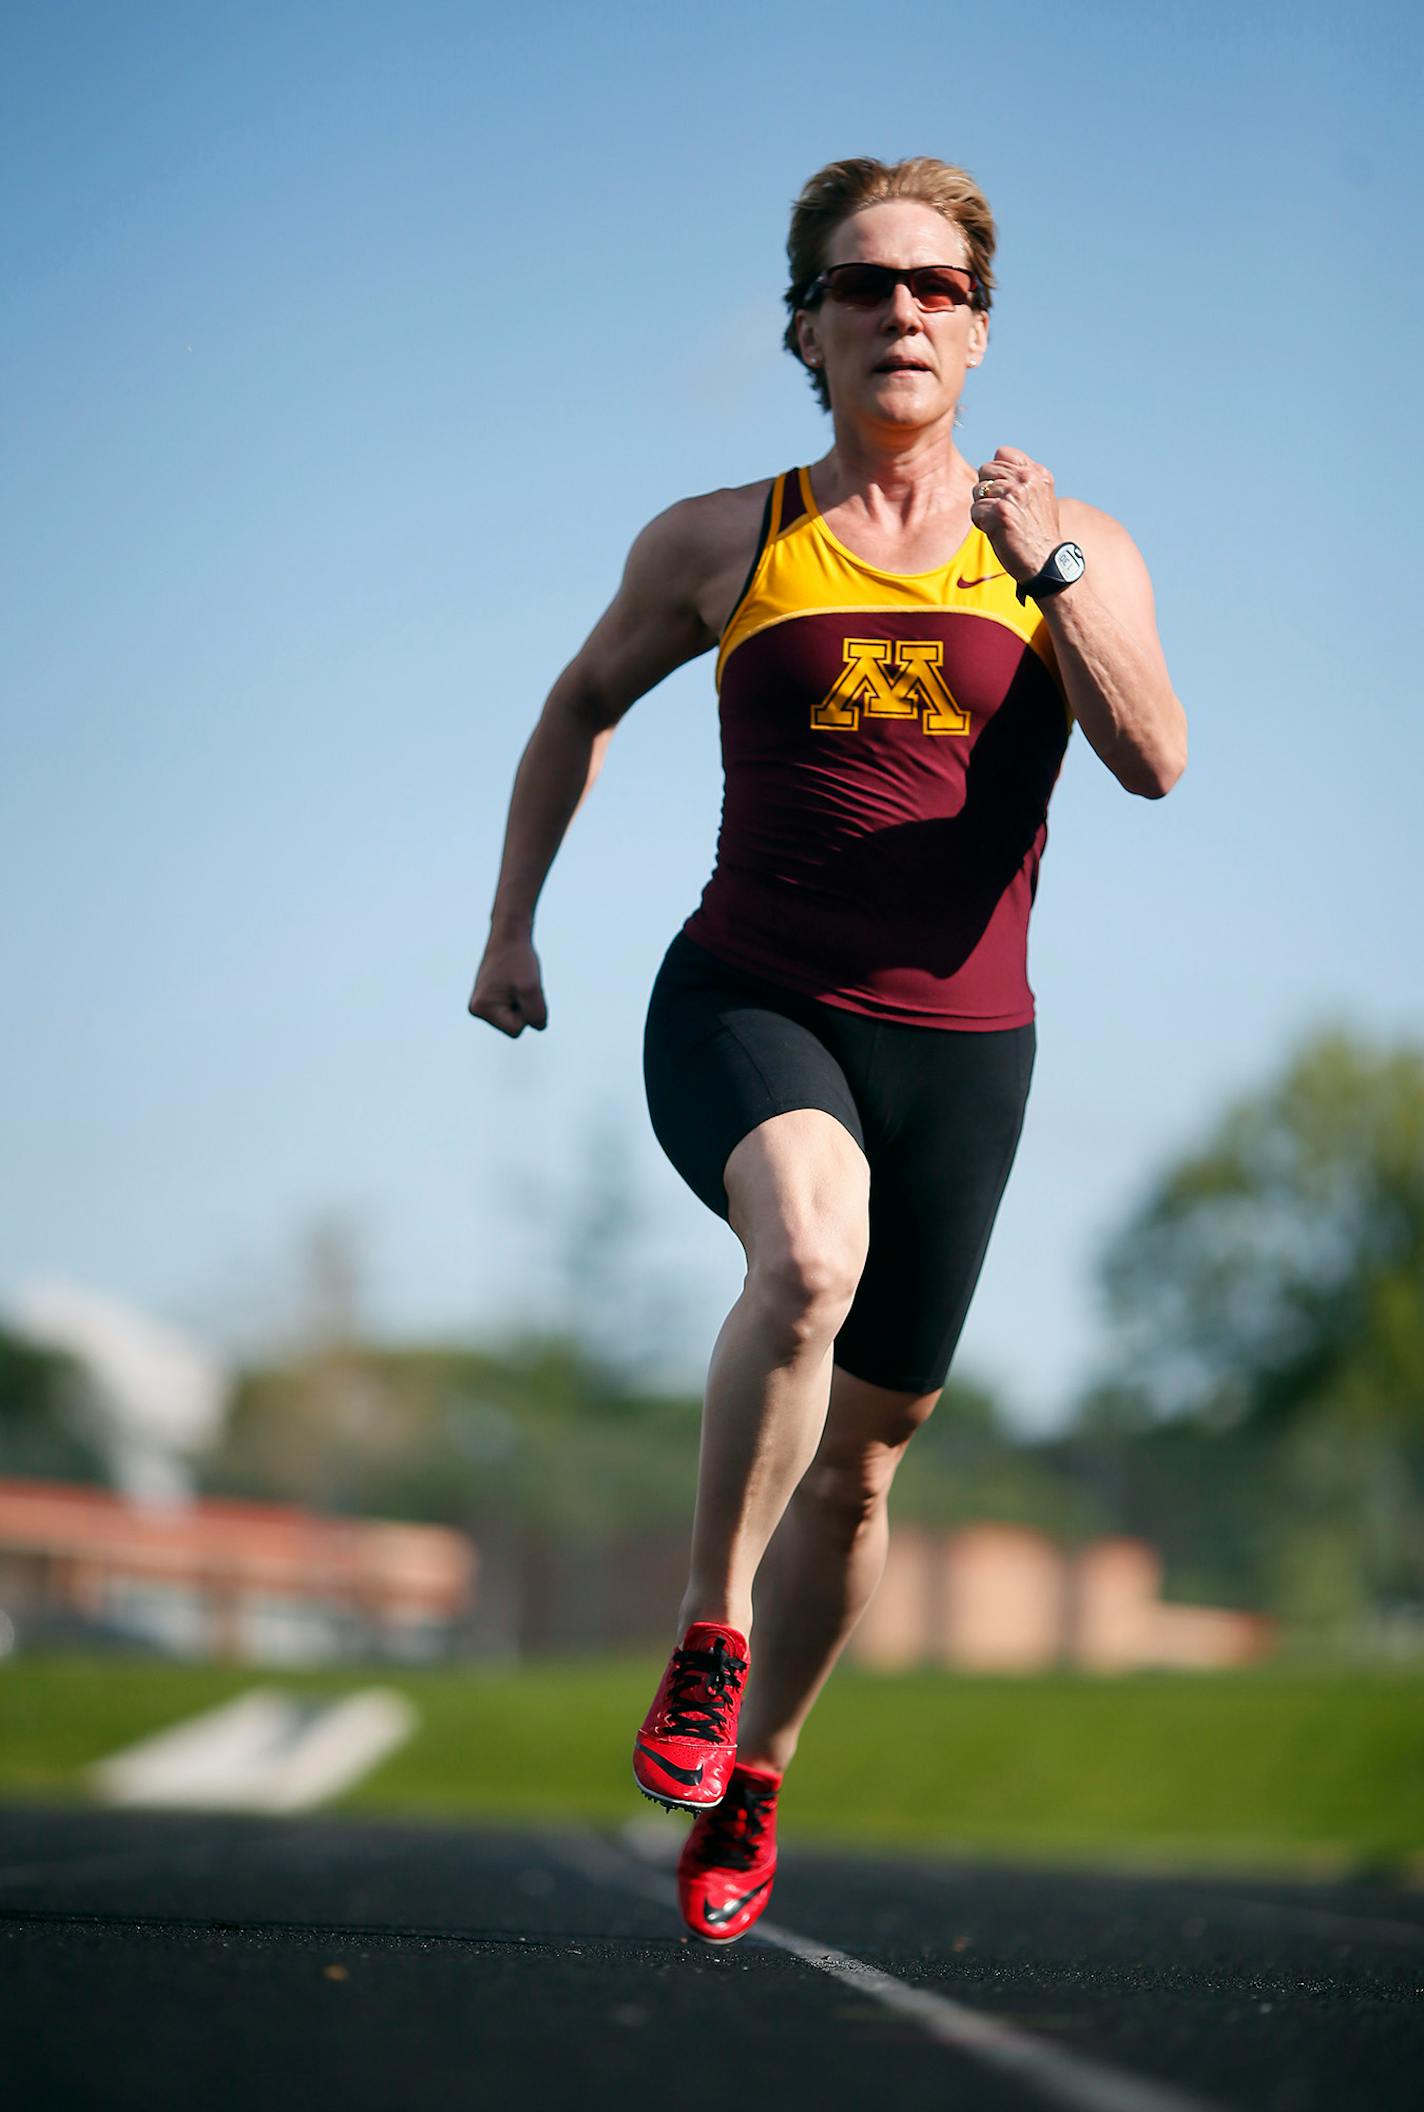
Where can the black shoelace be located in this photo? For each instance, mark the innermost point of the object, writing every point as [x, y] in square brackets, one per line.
[703, 1686]
[735, 1826]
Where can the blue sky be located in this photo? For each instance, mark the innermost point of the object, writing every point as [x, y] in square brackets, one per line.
[348, 347]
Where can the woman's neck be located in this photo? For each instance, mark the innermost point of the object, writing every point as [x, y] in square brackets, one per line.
[893, 478]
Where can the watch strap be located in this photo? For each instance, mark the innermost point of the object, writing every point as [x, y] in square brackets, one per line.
[1047, 582]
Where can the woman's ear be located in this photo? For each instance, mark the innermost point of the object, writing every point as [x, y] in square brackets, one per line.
[978, 338]
[806, 337]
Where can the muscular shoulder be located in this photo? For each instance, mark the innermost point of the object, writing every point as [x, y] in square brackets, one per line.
[1107, 545]
[681, 578]
[699, 549]
[1116, 567]
[712, 523]
[1091, 524]
[1080, 520]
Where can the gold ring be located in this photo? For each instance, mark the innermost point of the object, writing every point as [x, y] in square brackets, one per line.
[986, 490]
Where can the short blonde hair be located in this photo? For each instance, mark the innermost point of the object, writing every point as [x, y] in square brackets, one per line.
[844, 187]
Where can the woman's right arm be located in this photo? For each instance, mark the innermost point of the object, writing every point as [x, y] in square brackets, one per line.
[651, 626]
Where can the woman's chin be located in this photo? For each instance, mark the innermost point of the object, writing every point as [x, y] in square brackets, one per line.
[908, 400]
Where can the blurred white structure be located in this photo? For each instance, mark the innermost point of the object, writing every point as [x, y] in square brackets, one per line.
[153, 1395]
[264, 1751]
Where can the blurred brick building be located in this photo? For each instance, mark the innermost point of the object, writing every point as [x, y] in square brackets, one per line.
[1004, 1598]
[214, 1578]
[269, 1583]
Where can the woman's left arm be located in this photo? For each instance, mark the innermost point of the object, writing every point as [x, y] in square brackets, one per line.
[1103, 627]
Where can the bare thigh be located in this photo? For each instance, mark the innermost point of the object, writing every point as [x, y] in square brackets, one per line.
[798, 1191]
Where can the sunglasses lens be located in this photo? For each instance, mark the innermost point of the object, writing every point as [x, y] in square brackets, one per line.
[862, 285]
[934, 286]
[938, 286]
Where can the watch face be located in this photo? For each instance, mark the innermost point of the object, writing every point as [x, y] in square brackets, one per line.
[1068, 562]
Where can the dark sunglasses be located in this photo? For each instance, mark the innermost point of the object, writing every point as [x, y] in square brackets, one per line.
[932, 286]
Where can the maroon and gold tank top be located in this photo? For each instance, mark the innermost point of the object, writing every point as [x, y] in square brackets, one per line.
[890, 741]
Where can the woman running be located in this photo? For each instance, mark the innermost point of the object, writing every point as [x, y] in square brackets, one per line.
[840, 1038]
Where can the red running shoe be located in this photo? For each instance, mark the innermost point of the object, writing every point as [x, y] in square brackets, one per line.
[728, 1861]
[685, 1750]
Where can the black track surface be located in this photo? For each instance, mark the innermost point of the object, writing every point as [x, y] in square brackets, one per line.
[155, 1960]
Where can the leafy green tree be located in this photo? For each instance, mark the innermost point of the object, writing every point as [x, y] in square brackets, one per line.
[1270, 1290]
[43, 1432]
[533, 1431]
[1281, 1264]
[1202, 1496]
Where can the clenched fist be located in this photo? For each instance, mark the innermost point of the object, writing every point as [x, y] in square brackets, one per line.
[1015, 505]
[509, 991]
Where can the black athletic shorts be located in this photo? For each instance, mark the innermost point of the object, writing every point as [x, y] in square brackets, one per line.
[937, 1112]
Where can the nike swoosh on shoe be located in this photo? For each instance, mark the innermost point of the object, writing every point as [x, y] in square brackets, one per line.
[690, 1775]
[715, 1916]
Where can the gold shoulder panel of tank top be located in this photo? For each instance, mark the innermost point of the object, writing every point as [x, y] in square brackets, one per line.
[733, 630]
[801, 573]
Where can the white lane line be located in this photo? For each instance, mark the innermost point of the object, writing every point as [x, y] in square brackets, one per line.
[265, 1751]
[1063, 2078]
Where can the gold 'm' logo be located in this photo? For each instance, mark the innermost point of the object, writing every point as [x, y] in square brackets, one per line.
[891, 681]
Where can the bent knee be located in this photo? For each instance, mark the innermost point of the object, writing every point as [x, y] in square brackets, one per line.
[847, 1502]
[849, 1481]
[806, 1285]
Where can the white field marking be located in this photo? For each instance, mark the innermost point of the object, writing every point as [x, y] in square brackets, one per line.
[262, 1752]
[203, 1760]
[1063, 2078]
[343, 1744]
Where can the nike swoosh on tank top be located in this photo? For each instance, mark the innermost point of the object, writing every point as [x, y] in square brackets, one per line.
[890, 742]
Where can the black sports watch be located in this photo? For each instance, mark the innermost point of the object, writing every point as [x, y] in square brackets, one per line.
[1060, 568]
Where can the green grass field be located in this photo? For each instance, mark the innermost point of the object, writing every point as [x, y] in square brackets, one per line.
[1285, 1769]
